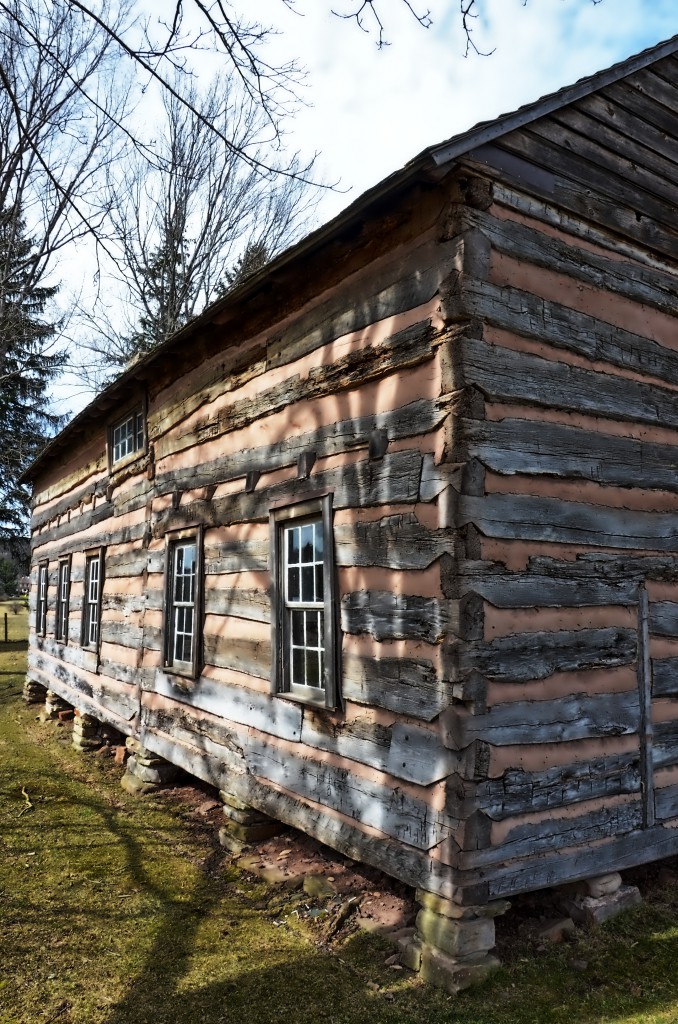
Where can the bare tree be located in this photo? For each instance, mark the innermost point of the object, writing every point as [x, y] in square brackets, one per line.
[56, 143]
[190, 220]
[55, 139]
[162, 45]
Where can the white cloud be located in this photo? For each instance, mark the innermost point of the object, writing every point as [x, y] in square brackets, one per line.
[372, 111]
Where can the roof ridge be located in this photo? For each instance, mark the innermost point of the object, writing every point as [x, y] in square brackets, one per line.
[487, 131]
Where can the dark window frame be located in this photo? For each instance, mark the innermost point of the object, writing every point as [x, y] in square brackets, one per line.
[189, 669]
[63, 601]
[319, 509]
[91, 556]
[139, 410]
[41, 603]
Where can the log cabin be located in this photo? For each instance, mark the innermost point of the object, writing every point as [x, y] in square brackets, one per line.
[384, 544]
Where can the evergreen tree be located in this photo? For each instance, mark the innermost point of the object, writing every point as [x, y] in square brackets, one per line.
[28, 363]
[254, 258]
[166, 295]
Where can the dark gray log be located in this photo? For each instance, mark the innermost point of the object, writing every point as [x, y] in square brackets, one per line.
[663, 618]
[532, 873]
[525, 517]
[122, 633]
[666, 803]
[385, 808]
[546, 721]
[388, 616]
[520, 792]
[646, 285]
[532, 839]
[236, 556]
[406, 752]
[543, 320]
[77, 525]
[395, 542]
[98, 700]
[393, 479]
[398, 684]
[524, 657]
[70, 501]
[410, 865]
[665, 677]
[234, 704]
[419, 417]
[252, 657]
[243, 604]
[555, 584]
[586, 203]
[530, 446]
[366, 301]
[404, 349]
[507, 375]
[665, 744]
[107, 538]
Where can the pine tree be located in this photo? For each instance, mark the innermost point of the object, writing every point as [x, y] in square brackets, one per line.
[166, 294]
[27, 365]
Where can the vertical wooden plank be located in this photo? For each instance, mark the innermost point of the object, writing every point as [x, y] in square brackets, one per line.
[645, 731]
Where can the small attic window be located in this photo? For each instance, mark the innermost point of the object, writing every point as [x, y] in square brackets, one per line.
[127, 436]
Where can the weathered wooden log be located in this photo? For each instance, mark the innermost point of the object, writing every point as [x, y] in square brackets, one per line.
[398, 684]
[524, 657]
[233, 703]
[533, 838]
[391, 811]
[388, 616]
[644, 284]
[526, 517]
[576, 717]
[532, 446]
[521, 792]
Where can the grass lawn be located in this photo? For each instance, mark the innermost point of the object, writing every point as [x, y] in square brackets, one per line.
[124, 911]
[17, 620]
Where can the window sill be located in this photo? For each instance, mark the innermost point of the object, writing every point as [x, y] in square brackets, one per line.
[184, 679]
[316, 699]
[127, 463]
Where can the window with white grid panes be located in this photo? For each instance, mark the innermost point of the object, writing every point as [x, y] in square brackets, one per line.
[63, 591]
[92, 603]
[304, 588]
[41, 605]
[127, 437]
[305, 631]
[182, 611]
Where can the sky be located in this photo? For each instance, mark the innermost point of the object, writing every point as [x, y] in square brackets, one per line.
[371, 110]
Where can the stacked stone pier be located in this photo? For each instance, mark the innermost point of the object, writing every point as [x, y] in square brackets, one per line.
[146, 772]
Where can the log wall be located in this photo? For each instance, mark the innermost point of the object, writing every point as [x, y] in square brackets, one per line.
[568, 336]
[327, 380]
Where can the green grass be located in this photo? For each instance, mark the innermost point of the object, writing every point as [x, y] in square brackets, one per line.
[17, 621]
[124, 911]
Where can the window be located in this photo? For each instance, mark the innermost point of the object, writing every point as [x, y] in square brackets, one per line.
[91, 608]
[183, 606]
[41, 607]
[305, 659]
[127, 436]
[63, 596]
